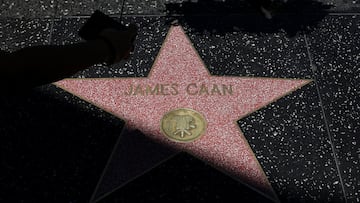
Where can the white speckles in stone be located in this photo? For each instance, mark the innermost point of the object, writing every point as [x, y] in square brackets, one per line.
[27, 9]
[146, 46]
[18, 33]
[147, 6]
[211, 149]
[337, 82]
[72, 7]
[256, 55]
[297, 143]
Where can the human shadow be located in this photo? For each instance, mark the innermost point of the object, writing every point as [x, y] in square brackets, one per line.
[297, 16]
[184, 178]
[52, 149]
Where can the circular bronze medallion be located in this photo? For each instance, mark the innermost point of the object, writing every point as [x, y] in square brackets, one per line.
[183, 125]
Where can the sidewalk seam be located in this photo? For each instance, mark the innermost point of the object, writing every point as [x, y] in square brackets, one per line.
[330, 136]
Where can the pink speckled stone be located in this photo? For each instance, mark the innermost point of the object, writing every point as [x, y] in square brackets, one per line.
[223, 144]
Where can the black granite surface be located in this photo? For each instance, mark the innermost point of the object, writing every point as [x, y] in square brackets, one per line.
[290, 140]
[52, 149]
[112, 7]
[40, 9]
[346, 6]
[134, 155]
[20, 33]
[184, 178]
[216, 7]
[335, 52]
[273, 55]
[156, 7]
[75, 8]
[270, 53]
[151, 34]
[27, 9]
[55, 146]
[265, 53]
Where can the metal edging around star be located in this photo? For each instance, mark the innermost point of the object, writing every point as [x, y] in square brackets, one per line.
[306, 81]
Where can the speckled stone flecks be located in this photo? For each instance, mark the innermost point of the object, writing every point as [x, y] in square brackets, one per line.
[223, 144]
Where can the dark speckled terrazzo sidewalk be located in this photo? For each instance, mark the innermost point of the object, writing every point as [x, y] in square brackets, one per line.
[55, 147]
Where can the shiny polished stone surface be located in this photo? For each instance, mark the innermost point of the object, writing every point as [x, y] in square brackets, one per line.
[336, 60]
[73, 7]
[60, 148]
[290, 140]
[216, 7]
[178, 79]
[20, 33]
[27, 9]
[49, 151]
[186, 176]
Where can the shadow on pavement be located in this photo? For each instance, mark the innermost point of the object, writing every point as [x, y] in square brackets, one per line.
[297, 16]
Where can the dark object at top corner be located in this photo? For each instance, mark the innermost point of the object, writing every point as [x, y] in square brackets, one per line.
[97, 23]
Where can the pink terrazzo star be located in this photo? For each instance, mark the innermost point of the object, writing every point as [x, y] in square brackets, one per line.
[179, 79]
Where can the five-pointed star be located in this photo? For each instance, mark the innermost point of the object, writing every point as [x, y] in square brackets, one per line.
[179, 79]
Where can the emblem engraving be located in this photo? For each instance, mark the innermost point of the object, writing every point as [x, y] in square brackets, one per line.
[183, 125]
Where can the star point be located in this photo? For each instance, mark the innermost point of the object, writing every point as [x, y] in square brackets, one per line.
[179, 79]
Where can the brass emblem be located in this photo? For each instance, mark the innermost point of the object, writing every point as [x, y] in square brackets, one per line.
[183, 125]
